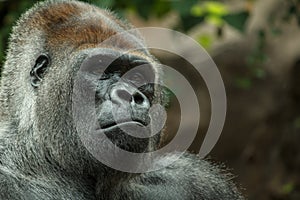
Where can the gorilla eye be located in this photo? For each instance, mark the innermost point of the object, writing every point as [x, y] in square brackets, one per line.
[105, 76]
[137, 78]
[38, 70]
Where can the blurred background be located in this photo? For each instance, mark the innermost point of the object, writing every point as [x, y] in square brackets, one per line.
[256, 46]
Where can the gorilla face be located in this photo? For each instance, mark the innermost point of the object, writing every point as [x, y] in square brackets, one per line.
[123, 88]
[115, 100]
[124, 93]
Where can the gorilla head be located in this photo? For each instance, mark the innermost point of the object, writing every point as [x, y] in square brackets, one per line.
[72, 82]
[56, 43]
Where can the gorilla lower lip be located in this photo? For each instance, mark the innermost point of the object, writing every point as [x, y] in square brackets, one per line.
[115, 125]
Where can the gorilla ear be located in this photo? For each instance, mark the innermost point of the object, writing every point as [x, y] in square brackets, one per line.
[38, 70]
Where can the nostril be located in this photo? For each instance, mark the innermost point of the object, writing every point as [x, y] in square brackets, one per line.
[124, 95]
[138, 98]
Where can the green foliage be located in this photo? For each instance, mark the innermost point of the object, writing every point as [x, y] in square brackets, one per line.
[255, 61]
[237, 20]
[205, 40]
[297, 123]
[243, 82]
[188, 22]
[212, 12]
[288, 188]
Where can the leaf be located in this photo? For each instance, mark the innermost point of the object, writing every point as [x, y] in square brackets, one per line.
[197, 10]
[297, 123]
[105, 3]
[216, 8]
[205, 41]
[237, 20]
[161, 8]
[144, 8]
[288, 188]
[183, 7]
[214, 19]
[244, 83]
[188, 22]
[259, 72]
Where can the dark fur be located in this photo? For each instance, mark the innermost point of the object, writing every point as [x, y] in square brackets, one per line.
[41, 156]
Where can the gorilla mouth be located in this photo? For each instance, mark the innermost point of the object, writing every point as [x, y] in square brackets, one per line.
[113, 125]
[126, 134]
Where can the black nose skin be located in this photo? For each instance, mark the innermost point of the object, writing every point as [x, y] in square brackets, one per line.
[124, 94]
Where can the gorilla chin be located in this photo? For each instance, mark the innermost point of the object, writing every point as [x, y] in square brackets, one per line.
[123, 136]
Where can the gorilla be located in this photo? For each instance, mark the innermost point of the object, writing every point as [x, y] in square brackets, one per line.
[52, 64]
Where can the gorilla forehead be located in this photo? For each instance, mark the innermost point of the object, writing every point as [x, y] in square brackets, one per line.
[78, 25]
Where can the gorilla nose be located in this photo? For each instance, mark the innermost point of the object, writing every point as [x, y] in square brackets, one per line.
[124, 94]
